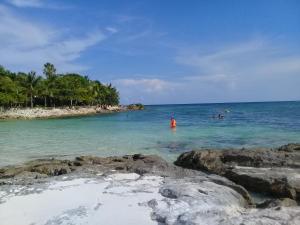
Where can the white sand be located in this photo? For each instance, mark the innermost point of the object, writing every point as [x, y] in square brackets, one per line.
[118, 199]
[124, 199]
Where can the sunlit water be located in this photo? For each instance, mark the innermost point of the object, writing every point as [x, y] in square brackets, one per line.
[148, 132]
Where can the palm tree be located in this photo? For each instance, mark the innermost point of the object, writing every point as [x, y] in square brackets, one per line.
[49, 70]
[32, 81]
[42, 89]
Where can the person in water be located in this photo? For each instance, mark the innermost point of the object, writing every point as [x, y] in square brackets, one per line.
[220, 116]
[173, 122]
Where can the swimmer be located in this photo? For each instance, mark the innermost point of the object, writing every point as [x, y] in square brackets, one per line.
[173, 122]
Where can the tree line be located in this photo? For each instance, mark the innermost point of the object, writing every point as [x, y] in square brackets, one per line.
[51, 90]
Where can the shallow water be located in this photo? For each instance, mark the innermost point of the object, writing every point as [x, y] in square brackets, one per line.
[246, 125]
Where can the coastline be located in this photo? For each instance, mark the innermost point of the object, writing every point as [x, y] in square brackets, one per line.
[161, 192]
[45, 113]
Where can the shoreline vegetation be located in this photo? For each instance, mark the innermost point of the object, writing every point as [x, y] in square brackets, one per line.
[54, 95]
[22, 90]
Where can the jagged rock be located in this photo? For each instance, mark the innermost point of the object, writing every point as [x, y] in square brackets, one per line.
[187, 201]
[176, 195]
[290, 147]
[274, 171]
[137, 163]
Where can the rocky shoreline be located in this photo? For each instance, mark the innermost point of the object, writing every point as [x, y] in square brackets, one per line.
[35, 113]
[202, 187]
[271, 171]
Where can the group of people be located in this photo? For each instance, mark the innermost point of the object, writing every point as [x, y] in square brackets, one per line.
[219, 116]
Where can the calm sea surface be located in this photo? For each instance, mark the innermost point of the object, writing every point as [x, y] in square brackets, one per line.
[245, 125]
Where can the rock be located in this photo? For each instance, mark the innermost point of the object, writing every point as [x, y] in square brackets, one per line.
[208, 160]
[47, 167]
[290, 147]
[197, 201]
[271, 203]
[175, 195]
[138, 164]
[272, 171]
[132, 163]
[187, 201]
[32, 113]
[137, 106]
[52, 170]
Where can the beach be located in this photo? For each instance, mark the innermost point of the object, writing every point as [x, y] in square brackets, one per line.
[138, 189]
[38, 113]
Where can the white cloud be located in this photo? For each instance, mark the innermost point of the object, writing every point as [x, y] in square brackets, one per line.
[145, 89]
[147, 85]
[257, 70]
[256, 57]
[27, 3]
[26, 45]
[112, 29]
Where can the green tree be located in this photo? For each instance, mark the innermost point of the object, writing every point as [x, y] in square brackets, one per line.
[43, 91]
[49, 70]
[50, 73]
[32, 81]
[19, 89]
[7, 91]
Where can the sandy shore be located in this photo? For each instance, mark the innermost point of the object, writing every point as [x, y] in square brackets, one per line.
[132, 189]
[28, 113]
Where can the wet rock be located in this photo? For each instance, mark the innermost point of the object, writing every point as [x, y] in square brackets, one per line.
[290, 147]
[137, 163]
[273, 171]
[52, 170]
[47, 167]
[271, 203]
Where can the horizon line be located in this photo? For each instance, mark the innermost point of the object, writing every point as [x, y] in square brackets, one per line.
[204, 103]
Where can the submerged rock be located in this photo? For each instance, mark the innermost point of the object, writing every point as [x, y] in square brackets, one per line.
[272, 171]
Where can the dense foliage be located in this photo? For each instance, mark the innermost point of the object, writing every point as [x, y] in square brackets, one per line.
[29, 89]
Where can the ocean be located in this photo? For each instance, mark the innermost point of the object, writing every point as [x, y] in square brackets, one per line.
[265, 124]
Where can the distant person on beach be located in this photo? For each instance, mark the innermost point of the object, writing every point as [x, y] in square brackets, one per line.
[173, 122]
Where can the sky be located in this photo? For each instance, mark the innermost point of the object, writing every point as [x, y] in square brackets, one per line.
[161, 52]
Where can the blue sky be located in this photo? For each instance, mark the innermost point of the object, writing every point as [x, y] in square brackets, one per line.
[159, 52]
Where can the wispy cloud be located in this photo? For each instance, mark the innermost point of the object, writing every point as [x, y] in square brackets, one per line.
[153, 85]
[39, 4]
[143, 89]
[256, 57]
[254, 70]
[27, 45]
[27, 3]
[112, 29]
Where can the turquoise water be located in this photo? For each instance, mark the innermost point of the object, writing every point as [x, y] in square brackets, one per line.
[246, 125]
